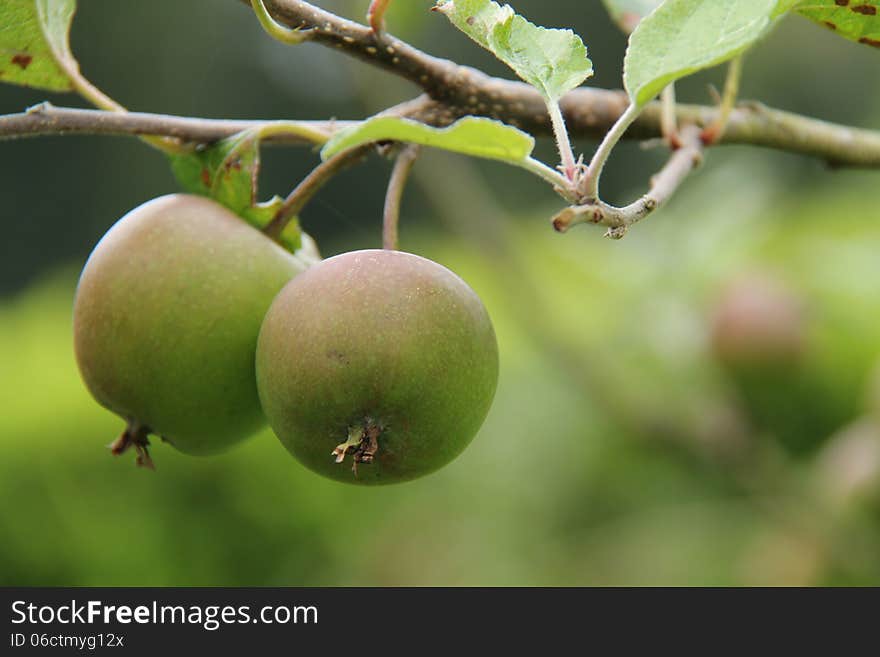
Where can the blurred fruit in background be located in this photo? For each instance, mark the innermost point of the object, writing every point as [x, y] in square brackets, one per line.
[761, 335]
[759, 325]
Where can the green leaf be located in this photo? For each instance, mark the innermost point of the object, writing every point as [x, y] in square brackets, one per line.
[857, 20]
[628, 13]
[227, 172]
[553, 61]
[479, 137]
[685, 36]
[34, 43]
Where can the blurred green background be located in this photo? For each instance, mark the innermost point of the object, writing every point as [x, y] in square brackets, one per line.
[696, 404]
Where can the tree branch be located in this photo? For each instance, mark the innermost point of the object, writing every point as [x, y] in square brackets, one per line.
[461, 90]
[46, 119]
[750, 124]
[663, 185]
[455, 91]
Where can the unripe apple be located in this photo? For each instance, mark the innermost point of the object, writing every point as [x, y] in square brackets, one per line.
[382, 359]
[759, 323]
[166, 318]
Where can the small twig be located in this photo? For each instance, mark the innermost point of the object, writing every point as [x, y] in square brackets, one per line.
[310, 185]
[668, 120]
[376, 15]
[399, 177]
[590, 186]
[663, 186]
[715, 131]
[275, 29]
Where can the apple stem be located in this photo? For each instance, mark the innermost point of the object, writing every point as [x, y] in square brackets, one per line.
[136, 436]
[309, 186]
[399, 176]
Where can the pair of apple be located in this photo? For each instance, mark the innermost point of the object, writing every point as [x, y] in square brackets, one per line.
[194, 326]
